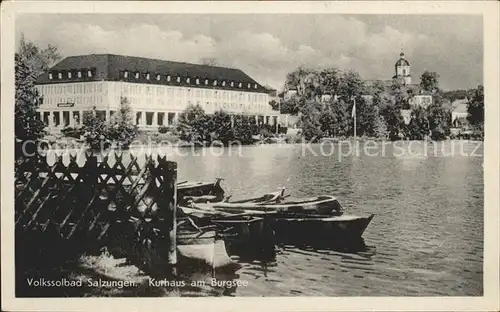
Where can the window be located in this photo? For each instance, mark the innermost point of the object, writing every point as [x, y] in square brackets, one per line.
[168, 78]
[232, 83]
[248, 86]
[223, 83]
[178, 79]
[158, 77]
[89, 73]
[197, 81]
[50, 76]
[240, 85]
[79, 74]
[188, 80]
[69, 75]
[136, 75]
[255, 86]
[59, 75]
[206, 81]
[125, 74]
[215, 82]
[147, 76]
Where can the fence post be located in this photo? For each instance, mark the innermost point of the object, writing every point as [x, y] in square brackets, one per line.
[170, 192]
[91, 174]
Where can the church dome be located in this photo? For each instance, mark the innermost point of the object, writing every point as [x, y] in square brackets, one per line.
[402, 61]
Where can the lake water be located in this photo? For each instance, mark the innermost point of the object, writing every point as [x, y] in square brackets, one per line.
[425, 240]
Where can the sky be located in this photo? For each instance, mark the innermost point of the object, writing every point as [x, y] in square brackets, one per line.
[268, 46]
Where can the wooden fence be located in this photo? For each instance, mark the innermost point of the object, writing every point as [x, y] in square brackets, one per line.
[94, 202]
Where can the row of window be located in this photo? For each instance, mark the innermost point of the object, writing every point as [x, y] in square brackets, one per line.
[88, 100]
[169, 91]
[69, 74]
[189, 80]
[77, 88]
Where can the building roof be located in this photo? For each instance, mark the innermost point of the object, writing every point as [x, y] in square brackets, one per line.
[110, 67]
[402, 61]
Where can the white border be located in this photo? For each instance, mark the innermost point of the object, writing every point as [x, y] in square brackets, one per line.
[490, 301]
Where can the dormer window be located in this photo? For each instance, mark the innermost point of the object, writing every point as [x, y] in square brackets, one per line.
[69, 75]
[89, 73]
[79, 74]
[215, 82]
[168, 78]
[147, 76]
[240, 85]
[178, 79]
[188, 80]
[197, 81]
[158, 77]
[206, 81]
[248, 86]
[136, 75]
[50, 76]
[223, 83]
[125, 74]
[232, 83]
[59, 75]
[255, 86]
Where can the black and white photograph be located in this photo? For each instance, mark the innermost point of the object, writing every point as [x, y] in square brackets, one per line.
[251, 150]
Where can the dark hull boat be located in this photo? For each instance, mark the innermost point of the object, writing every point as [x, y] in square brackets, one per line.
[237, 230]
[321, 230]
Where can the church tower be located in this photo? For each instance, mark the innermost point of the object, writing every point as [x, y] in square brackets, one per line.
[403, 70]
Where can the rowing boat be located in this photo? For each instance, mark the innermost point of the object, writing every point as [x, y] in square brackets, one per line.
[199, 248]
[209, 191]
[325, 205]
[321, 229]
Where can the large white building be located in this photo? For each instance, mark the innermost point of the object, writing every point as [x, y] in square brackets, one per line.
[158, 91]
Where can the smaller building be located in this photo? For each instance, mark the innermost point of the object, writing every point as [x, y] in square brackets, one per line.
[459, 114]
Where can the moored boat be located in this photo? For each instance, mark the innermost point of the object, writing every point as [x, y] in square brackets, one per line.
[324, 230]
[237, 230]
[210, 191]
[199, 248]
[325, 205]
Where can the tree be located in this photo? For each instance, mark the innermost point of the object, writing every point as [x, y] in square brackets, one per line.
[327, 120]
[380, 130]
[244, 127]
[399, 92]
[366, 117]
[302, 79]
[418, 128]
[329, 81]
[310, 119]
[39, 60]
[343, 121]
[394, 120]
[95, 131]
[439, 121]
[27, 126]
[190, 123]
[274, 105]
[429, 81]
[292, 106]
[123, 129]
[350, 85]
[475, 109]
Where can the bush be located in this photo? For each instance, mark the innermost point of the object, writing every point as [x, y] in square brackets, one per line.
[72, 132]
[163, 129]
